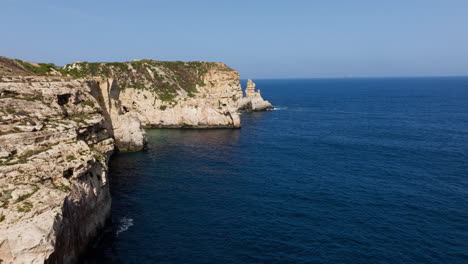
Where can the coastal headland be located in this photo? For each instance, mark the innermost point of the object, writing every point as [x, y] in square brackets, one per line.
[60, 125]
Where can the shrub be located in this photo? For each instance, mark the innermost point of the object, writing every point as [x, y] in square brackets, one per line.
[88, 103]
[10, 110]
[26, 196]
[42, 69]
[71, 157]
[62, 187]
[26, 207]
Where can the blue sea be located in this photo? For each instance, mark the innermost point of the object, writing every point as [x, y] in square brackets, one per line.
[342, 171]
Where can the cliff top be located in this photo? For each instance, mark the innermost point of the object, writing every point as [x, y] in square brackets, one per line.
[162, 77]
[16, 67]
[166, 78]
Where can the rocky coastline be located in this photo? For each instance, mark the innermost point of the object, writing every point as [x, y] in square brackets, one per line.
[60, 125]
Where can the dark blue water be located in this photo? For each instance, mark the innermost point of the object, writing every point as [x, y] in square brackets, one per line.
[345, 171]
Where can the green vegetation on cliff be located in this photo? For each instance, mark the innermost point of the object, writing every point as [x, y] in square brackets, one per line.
[15, 67]
[38, 68]
[167, 79]
[164, 78]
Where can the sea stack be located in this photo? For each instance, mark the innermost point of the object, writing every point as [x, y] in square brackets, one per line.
[253, 100]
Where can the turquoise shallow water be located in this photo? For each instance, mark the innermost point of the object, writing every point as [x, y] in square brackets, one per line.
[344, 171]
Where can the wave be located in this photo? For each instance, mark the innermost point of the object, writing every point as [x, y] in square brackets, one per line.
[124, 224]
[279, 108]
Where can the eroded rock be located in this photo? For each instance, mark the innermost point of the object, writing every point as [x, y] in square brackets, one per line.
[253, 100]
[54, 192]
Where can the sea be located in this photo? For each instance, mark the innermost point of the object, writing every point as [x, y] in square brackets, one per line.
[352, 170]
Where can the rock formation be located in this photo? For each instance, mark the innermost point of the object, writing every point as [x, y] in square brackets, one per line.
[54, 192]
[172, 94]
[123, 125]
[209, 105]
[253, 100]
[59, 127]
[56, 137]
[250, 90]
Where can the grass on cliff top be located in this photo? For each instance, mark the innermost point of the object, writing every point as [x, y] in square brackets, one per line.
[41, 69]
[17, 67]
[164, 78]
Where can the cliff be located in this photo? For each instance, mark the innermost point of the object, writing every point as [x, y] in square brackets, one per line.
[163, 93]
[54, 149]
[123, 125]
[172, 94]
[56, 136]
[59, 126]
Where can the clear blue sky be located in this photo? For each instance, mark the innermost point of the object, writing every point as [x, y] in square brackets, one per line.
[261, 39]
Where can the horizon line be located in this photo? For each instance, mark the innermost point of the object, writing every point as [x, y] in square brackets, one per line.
[359, 77]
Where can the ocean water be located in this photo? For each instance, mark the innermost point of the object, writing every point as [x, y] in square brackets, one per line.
[343, 171]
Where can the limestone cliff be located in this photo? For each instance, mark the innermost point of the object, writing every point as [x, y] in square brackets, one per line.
[211, 103]
[59, 126]
[167, 94]
[56, 136]
[123, 125]
[177, 94]
[54, 149]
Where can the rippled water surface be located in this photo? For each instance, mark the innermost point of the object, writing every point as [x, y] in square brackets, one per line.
[345, 171]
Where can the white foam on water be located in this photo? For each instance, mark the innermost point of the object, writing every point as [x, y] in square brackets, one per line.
[279, 108]
[124, 224]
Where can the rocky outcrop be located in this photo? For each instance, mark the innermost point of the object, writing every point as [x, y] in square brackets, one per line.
[55, 142]
[178, 94]
[164, 93]
[124, 126]
[210, 105]
[253, 100]
[250, 90]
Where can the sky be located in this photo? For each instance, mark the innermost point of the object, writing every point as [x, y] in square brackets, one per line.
[260, 39]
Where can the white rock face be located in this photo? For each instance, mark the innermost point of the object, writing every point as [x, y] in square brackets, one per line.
[212, 106]
[57, 135]
[253, 100]
[178, 94]
[125, 126]
[54, 192]
[128, 132]
[250, 90]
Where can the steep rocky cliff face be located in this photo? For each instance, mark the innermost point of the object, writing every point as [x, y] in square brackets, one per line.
[176, 94]
[124, 126]
[55, 142]
[54, 148]
[59, 126]
[210, 104]
[167, 94]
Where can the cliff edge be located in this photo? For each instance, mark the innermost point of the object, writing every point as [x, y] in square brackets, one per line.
[172, 94]
[177, 94]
